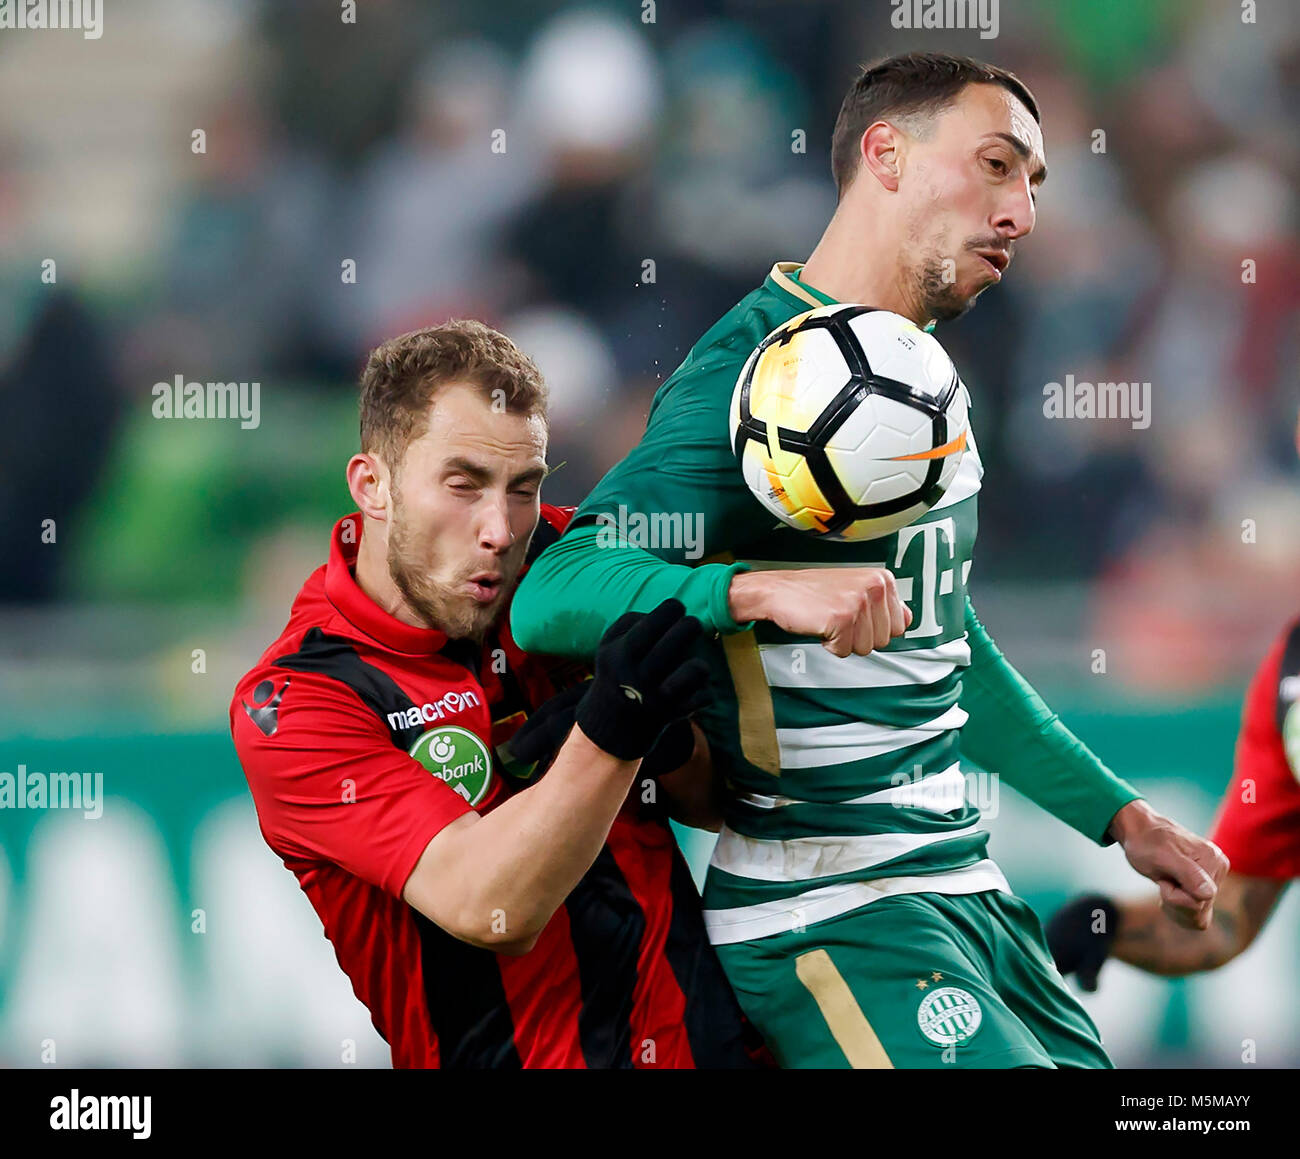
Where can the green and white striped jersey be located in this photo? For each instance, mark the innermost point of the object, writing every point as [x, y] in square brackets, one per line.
[844, 774]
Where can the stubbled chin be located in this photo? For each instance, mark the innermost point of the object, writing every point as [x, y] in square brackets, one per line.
[477, 617]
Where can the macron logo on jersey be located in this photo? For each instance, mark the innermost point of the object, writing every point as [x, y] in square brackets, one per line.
[433, 710]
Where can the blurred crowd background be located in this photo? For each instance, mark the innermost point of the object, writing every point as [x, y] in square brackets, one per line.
[602, 186]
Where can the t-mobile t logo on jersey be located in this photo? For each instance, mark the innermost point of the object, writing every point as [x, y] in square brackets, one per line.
[939, 602]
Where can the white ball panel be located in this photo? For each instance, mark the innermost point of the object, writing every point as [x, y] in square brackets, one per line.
[887, 488]
[896, 348]
[866, 450]
[882, 428]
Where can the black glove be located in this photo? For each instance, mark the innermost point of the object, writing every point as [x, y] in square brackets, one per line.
[645, 680]
[1080, 934]
[539, 738]
[672, 750]
[533, 747]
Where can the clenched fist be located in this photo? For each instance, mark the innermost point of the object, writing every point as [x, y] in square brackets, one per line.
[854, 610]
[1187, 868]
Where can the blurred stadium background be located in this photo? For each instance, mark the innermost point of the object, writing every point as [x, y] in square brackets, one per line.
[179, 545]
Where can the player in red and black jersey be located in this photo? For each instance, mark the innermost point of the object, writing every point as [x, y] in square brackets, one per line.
[467, 820]
[1257, 827]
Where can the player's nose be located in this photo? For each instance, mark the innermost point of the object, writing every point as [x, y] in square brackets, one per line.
[494, 529]
[1016, 213]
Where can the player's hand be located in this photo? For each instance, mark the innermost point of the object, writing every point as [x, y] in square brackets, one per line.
[646, 678]
[854, 610]
[1187, 868]
[1080, 935]
[539, 738]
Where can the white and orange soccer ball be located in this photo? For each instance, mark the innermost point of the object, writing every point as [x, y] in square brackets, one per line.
[849, 422]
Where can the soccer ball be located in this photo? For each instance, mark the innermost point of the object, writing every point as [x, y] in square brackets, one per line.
[848, 422]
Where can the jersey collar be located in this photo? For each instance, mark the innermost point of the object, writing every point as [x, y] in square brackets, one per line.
[783, 279]
[359, 609]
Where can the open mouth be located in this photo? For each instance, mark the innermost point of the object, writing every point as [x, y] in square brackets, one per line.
[484, 587]
[996, 260]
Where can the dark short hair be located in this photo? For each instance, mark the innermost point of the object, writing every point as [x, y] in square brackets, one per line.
[403, 375]
[916, 82]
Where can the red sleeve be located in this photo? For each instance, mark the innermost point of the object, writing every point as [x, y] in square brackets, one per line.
[1258, 825]
[329, 784]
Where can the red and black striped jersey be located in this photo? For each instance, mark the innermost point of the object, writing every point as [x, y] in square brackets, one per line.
[361, 737]
[1258, 825]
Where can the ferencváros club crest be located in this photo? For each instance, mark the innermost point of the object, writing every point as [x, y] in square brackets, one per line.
[457, 756]
[949, 1016]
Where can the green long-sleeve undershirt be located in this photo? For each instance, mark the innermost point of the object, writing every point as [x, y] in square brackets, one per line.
[581, 585]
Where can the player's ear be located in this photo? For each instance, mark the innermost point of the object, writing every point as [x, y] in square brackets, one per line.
[369, 485]
[880, 149]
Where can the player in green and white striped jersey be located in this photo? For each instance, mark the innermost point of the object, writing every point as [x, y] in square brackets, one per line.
[869, 785]
[851, 897]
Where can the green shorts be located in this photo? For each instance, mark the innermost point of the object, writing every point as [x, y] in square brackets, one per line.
[915, 980]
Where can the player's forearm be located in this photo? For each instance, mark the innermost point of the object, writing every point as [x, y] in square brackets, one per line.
[1012, 733]
[517, 864]
[580, 585]
[1148, 939]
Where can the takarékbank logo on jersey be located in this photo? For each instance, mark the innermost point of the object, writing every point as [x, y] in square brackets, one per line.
[457, 756]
